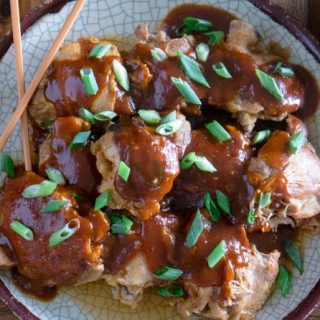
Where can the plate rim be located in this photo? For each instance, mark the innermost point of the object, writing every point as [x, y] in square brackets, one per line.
[276, 13]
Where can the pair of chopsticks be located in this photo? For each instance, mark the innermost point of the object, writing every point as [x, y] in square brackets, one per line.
[25, 96]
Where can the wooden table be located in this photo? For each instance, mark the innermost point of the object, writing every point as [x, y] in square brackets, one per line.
[305, 11]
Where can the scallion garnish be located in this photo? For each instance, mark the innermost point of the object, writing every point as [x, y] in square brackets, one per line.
[223, 202]
[169, 128]
[105, 116]
[121, 75]
[169, 117]
[283, 280]
[124, 171]
[43, 189]
[250, 218]
[23, 231]
[283, 71]
[218, 131]
[174, 291]
[54, 205]
[64, 233]
[80, 139]
[269, 84]
[77, 196]
[215, 37]
[99, 51]
[211, 207]
[195, 230]
[86, 115]
[296, 142]
[120, 225]
[158, 54]
[185, 90]
[188, 160]
[167, 273]
[294, 254]
[192, 69]
[149, 116]
[203, 164]
[202, 51]
[261, 136]
[221, 70]
[101, 201]
[89, 81]
[265, 199]
[46, 122]
[55, 175]
[191, 24]
[6, 164]
[217, 254]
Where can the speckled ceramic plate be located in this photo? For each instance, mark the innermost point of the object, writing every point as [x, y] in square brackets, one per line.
[119, 17]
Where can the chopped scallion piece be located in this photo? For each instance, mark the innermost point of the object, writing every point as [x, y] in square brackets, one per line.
[158, 54]
[89, 81]
[86, 115]
[296, 142]
[77, 196]
[283, 71]
[261, 136]
[211, 207]
[218, 131]
[169, 117]
[223, 202]
[99, 51]
[203, 164]
[188, 160]
[80, 139]
[101, 201]
[64, 233]
[54, 205]
[294, 254]
[43, 189]
[195, 230]
[186, 91]
[192, 69]
[105, 115]
[124, 171]
[217, 254]
[250, 218]
[23, 231]
[46, 122]
[269, 84]
[202, 51]
[6, 164]
[121, 75]
[120, 225]
[283, 280]
[55, 175]
[167, 273]
[191, 24]
[171, 291]
[265, 199]
[215, 37]
[169, 128]
[149, 116]
[221, 70]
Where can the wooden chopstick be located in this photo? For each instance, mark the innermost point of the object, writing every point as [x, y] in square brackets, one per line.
[41, 71]
[15, 18]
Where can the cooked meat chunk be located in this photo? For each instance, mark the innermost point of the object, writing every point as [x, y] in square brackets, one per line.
[56, 152]
[150, 179]
[6, 262]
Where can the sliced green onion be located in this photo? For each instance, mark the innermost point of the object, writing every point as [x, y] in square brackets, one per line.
[86, 115]
[121, 75]
[203, 164]
[284, 280]
[294, 254]
[174, 291]
[261, 136]
[43, 189]
[120, 225]
[185, 90]
[269, 84]
[101, 201]
[23, 231]
[168, 273]
[211, 207]
[188, 160]
[218, 131]
[124, 171]
[169, 117]
[265, 199]
[169, 128]
[296, 142]
[80, 139]
[191, 24]
[215, 37]
[77, 196]
[99, 51]
[54, 205]
[89, 81]
[250, 218]
[105, 115]
[46, 122]
[223, 202]
[202, 51]
[6, 164]
[195, 230]
[192, 69]
[149, 116]
[64, 233]
[158, 54]
[55, 175]
[221, 70]
[285, 72]
[217, 254]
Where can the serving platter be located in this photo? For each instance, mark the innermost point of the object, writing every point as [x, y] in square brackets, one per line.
[119, 18]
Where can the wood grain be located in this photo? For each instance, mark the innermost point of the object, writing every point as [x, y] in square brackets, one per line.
[307, 12]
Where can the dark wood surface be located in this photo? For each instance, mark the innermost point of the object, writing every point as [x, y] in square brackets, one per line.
[307, 12]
